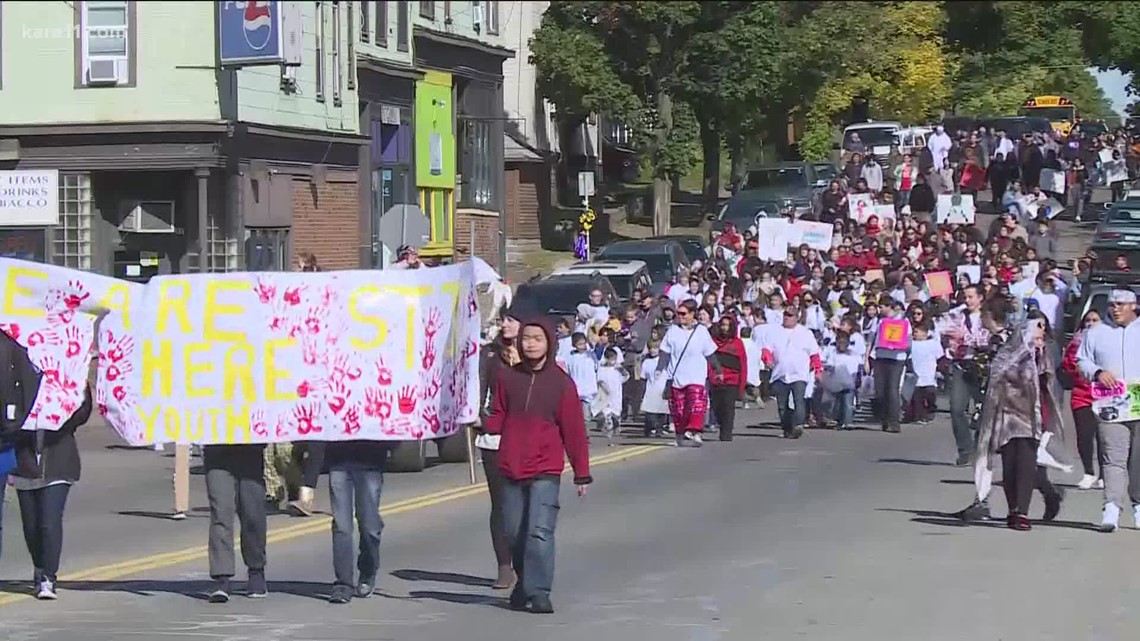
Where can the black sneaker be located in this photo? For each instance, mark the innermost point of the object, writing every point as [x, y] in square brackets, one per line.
[255, 586]
[341, 595]
[1053, 505]
[517, 599]
[220, 593]
[963, 460]
[540, 604]
[976, 511]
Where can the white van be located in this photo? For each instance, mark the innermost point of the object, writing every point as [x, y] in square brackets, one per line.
[877, 137]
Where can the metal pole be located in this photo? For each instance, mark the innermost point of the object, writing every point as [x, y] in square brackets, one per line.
[472, 241]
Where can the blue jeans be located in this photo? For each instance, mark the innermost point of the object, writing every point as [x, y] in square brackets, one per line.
[790, 394]
[845, 407]
[530, 514]
[3, 488]
[356, 488]
[42, 514]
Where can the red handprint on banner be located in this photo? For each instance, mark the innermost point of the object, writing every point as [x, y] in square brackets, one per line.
[338, 396]
[292, 296]
[265, 291]
[11, 329]
[73, 342]
[377, 403]
[352, 420]
[304, 417]
[258, 425]
[75, 295]
[433, 324]
[430, 385]
[428, 358]
[344, 368]
[383, 372]
[431, 418]
[46, 336]
[313, 323]
[406, 400]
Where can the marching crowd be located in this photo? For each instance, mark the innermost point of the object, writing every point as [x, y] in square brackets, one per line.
[893, 311]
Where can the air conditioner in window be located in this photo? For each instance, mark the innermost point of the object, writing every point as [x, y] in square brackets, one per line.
[150, 217]
[106, 71]
[477, 16]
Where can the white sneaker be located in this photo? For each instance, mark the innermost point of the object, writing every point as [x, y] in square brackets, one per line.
[46, 591]
[1087, 482]
[1099, 485]
[1136, 516]
[1111, 518]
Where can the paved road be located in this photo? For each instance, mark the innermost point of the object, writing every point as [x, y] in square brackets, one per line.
[836, 536]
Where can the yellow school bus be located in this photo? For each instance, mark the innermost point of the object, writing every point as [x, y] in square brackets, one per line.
[1058, 110]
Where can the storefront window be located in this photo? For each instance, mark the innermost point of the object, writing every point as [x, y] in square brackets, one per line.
[477, 164]
[267, 250]
[71, 242]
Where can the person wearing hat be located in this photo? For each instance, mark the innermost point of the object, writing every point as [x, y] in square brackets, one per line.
[1104, 359]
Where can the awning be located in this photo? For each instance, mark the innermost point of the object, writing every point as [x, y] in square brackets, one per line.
[513, 151]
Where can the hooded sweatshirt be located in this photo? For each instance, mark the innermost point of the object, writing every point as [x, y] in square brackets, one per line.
[538, 414]
[733, 359]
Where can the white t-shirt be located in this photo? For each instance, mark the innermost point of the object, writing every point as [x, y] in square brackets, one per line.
[924, 355]
[583, 370]
[755, 365]
[792, 350]
[1049, 305]
[774, 316]
[844, 367]
[688, 366]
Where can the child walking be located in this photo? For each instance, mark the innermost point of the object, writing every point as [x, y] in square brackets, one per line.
[653, 404]
[583, 370]
[841, 367]
[924, 354]
[611, 377]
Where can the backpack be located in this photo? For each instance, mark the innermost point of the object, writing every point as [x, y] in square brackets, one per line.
[19, 385]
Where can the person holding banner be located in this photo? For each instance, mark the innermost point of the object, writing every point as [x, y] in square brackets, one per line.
[307, 456]
[1104, 359]
[536, 429]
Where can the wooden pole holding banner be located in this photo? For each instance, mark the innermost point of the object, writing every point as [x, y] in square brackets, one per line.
[469, 433]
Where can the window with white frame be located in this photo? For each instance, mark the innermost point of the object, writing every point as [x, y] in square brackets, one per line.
[337, 63]
[319, 68]
[491, 15]
[104, 38]
[71, 239]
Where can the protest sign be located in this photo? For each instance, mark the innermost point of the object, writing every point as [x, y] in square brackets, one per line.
[1050, 207]
[1105, 155]
[813, 234]
[860, 207]
[1115, 171]
[252, 357]
[884, 212]
[1117, 404]
[974, 272]
[774, 237]
[893, 334]
[939, 284]
[1053, 180]
[955, 209]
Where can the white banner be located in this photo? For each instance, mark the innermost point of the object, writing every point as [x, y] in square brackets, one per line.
[860, 207]
[810, 233]
[955, 209]
[772, 236]
[252, 357]
[1053, 181]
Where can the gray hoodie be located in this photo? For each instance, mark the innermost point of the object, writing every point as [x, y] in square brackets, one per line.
[1112, 349]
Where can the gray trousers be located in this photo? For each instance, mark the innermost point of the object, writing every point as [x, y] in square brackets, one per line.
[233, 488]
[1121, 463]
[964, 393]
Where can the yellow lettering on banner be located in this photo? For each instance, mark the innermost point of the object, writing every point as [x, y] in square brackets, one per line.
[414, 293]
[149, 420]
[214, 412]
[452, 289]
[194, 433]
[158, 363]
[272, 374]
[235, 373]
[173, 424]
[118, 298]
[193, 369]
[12, 289]
[213, 309]
[366, 319]
[176, 306]
[237, 425]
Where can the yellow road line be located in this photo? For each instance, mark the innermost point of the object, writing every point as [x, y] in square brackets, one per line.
[309, 526]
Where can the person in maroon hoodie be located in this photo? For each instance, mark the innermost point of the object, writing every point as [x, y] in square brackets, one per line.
[537, 411]
[1081, 403]
[727, 386]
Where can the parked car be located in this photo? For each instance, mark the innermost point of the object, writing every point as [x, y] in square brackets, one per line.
[742, 211]
[624, 275]
[1094, 296]
[665, 259]
[693, 245]
[790, 181]
[1119, 228]
[559, 296]
[877, 137]
[1015, 126]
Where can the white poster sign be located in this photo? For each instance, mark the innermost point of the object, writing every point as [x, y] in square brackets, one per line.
[252, 357]
[956, 209]
[813, 234]
[1115, 171]
[29, 198]
[973, 272]
[1053, 181]
[884, 212]
[860, 207]
[1105, 155]
[774, 237]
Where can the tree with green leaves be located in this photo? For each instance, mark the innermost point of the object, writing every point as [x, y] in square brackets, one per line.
[623, 60]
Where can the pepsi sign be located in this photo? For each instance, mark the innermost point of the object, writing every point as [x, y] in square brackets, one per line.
[265, 32]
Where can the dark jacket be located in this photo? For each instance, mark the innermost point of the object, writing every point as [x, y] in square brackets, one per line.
[539, 415]
[372, 454]
[19, 384]
[243, 461]
[59, 454]
[922, 198]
